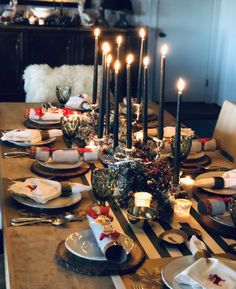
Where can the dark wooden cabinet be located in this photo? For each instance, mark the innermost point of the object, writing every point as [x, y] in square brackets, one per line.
[11, 63]
[21, 46]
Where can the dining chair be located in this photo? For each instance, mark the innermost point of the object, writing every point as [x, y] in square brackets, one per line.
[40, 81]
[225, 129]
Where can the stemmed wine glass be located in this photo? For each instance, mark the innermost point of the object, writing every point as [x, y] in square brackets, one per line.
[185, 146]
[63, 93]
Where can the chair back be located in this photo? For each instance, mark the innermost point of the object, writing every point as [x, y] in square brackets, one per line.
[225, 129]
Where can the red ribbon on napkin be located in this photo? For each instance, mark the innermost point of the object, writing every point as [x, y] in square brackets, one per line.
[97, 211]
[203, 140]
[113, 235]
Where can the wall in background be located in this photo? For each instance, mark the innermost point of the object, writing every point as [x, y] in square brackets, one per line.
[224, 64]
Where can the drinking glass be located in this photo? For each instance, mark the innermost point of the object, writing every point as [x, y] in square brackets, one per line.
[63, 93]
[69, 126]
[103, 184]
[185, 146]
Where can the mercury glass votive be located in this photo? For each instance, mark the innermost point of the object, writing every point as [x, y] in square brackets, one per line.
[182, 210]
[69, 126]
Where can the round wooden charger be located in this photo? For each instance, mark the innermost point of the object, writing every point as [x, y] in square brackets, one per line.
[46, 172]
[195, 166]
[218, 228]
[99, 268]
[30, 124]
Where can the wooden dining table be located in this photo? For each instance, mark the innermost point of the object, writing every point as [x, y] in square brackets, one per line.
[29, 251]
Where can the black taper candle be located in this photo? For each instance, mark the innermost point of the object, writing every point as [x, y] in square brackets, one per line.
[162, 94]
[102, 100]
[129, 104]
[95, 68]
[145, 100]
[108, 94]
[116, 107]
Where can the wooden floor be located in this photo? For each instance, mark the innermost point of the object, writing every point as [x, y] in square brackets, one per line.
[201, 117]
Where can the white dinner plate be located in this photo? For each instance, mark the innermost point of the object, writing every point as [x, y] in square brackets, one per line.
[216, 191]
[84, 244]
[60, 202]
[26, 144]
[45, 121]
[61, 166]
[172, 269]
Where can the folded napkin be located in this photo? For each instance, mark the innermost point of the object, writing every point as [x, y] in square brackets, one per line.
[78, 102]
[169, 131]
[42, 190]
[48, 114]
[107, 238]
[31, 136]
[228, 180]
[213, 206]
[208, 273]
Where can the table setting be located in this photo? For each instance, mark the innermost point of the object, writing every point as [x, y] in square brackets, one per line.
[114, 195]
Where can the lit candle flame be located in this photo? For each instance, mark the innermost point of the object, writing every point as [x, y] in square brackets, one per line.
[129, 59]
[146, 61]
[180, 85]
[164, 50]
[97, 32]
[109, 59]
[119, 40]
[117, 66]
[106, 47]
[142, 33]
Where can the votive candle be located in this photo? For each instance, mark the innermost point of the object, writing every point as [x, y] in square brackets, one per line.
[142, 199]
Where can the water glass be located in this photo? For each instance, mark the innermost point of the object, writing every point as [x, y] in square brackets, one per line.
[69, 126]
[63, 93]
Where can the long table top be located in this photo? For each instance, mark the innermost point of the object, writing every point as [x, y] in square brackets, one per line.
[30, 250]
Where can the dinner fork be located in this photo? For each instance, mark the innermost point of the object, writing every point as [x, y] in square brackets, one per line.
[137, 285]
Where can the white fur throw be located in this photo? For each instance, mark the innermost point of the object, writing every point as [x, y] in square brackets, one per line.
[41, 81]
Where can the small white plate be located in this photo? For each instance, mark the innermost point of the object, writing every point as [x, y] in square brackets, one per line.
[26, 144]
[216, 191]
[61, 166]
[45, 121]
[172, 269]
[84, 244]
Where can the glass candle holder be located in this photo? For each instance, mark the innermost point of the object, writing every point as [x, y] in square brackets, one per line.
[182, 210]
[63, 93]
[142, 199]
[69, 126]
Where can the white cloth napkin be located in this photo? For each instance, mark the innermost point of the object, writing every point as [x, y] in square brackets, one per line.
[208, 273]
[39, 190]
[107, 243]
[78, 102]
[228, 177]
[50, 114]
[31, 136]
[43, 190]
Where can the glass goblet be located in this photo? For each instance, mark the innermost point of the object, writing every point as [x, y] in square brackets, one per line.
[103, 183]
[185, 146]
[63, 93]
[69, 126]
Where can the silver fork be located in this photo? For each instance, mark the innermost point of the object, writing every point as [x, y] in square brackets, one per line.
[137, 285]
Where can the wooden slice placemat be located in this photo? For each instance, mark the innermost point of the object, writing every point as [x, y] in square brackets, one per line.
[31, 124]
[99, 268]
[69, 173]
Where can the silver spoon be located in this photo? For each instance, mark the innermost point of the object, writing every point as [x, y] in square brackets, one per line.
[28, 221]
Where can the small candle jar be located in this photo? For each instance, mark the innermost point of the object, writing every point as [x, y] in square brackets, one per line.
[187, 184]
[41, 21]
[32, 20]
[182, 210]
[142, 199]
